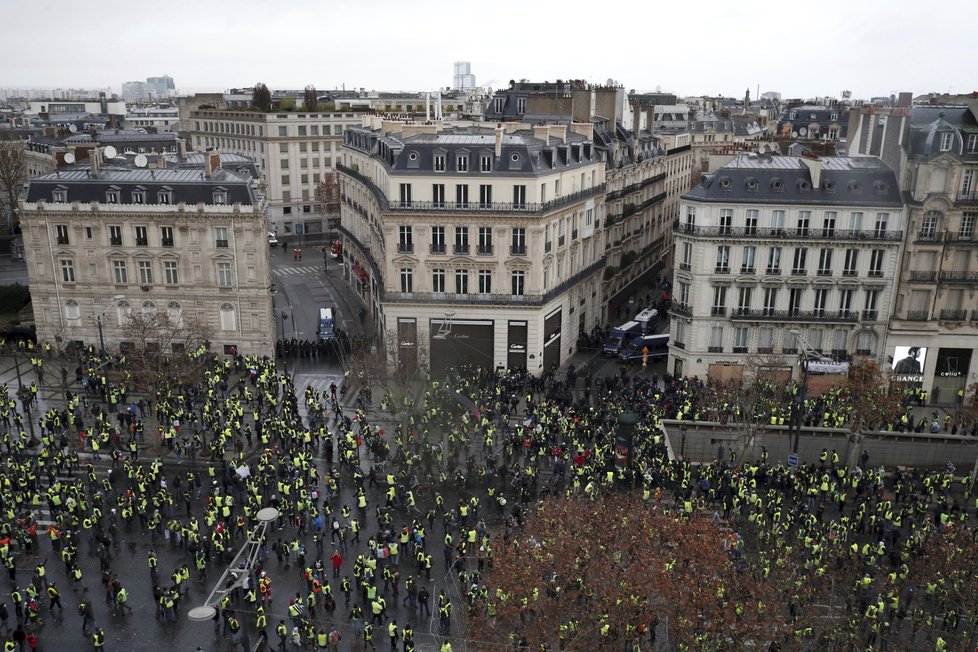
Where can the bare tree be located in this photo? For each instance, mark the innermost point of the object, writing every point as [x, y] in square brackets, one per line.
[310, 101]
[13, 173]
[328, 193]
[262, 98]
[168, 350]
[745, 405]
[871, 402]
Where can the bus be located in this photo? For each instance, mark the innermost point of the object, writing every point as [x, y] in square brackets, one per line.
[327, 327]
[658, 347]
[620, 336]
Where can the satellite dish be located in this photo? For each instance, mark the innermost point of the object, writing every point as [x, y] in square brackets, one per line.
[794, 134]
[110, 151]
[69, 158]
[73, 128]
[140, 160]
[803, 130]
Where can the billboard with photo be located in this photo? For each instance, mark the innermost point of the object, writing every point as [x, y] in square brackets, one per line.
[908, 363]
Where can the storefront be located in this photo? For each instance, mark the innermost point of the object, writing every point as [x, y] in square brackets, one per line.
[456, 342]
[551, 339]
[516, 345]
[407, 345]
[950, 376]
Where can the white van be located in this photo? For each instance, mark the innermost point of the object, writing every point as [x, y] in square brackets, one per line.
[327, 327]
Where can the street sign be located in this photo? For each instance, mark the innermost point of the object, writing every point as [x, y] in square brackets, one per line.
[792, 460]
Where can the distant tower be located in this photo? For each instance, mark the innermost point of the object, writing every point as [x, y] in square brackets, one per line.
[463, 78]
[747, 100]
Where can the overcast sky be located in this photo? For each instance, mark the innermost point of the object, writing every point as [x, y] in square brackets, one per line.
[800, 49]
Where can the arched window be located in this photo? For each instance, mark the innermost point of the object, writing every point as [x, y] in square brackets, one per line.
[175, 313]
[73, 312]
[229, 321]
[149, 307]
[123, 309]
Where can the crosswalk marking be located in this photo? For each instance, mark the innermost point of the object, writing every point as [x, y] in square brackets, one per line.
[318, 382]
[302, 270]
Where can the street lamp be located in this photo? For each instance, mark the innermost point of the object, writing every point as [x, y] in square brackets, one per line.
[682, 443]
[98, 320]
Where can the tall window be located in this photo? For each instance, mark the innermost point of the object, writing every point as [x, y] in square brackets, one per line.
[519, 280]
[166, 236]
[821, 298]
[690, 216]
[968, 225]
[461, 240]
[798, 266]
[519, 195]
[224, 274]
[405, 239]
[750, 222]
[462, 163]
[119, 272]
[437, 239]
[740, 339]
[747, 261]
[687, 259]
[856, 221]
[439, 163]
[774, 261]
[485, 195]
[765, 340]
[405, 189]
[794, 301]
[770, 301]
[485, 240]
[719, 300]
[946, 141]
[62, 230]
[845, 302]
[825, 262]
[968, 181]
[726, 221]
[462, 195]
[221, 236]
[777, 221]
[684, 294]
[438, 194]
[461, 281]
[876, 262]
[73, 312]
[519, 241]
[804, 222]
[879, 231]
[485, 281]
[67, 270]
[485, 163]
[716, 339]
[828, 224]
[851, 263]
[170, 272]
[175, 313]
[229, 321]
[723, 259]
[928, 225]
[115, 236]
[407, 280]
[743, 299]
[438, 280]
[145, 272]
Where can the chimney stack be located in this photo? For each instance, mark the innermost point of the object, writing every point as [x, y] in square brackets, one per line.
[95, 158]
[212, 162]
[499, 140]
[182, 148]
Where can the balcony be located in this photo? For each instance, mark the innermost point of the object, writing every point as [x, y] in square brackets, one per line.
[773, 271]
[768, 314]
[142, 242]
[954, 315]
[748, 270]
[721, 270]
[484, 250]
[62, 239]
[740, 349]
[967, 197]
[718, 311]
[765, 350]
[928, 235]
[116, 242]
[679, 345]
[405, 247]
[438, 248]
[850, 273]
[798, 272]
[517, 250]
[824, 272]
[875, 273]
[685, 267]
[221, 244]
[681, 309]
[917, 315]
[167, 242]
[974, 315]
[715, 349]
[461, 250]
[723, 231]
[871, 315]
[961, 236]
[959, 277]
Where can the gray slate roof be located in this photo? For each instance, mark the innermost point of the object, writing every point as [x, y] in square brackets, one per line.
[766, 179]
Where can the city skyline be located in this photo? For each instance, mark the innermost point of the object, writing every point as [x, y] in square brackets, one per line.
[714, 50]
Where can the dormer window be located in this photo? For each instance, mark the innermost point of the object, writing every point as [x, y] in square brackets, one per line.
[752, 184]
[485, 163]
[793, 115]
[139, 196]
[804, 186]
[725, 183]
[439, 162]
[855, 186]
[462, 163]
[220, 196]
[834, 116]
[164, 196]
[882, 188]
[946, 139]
[59, 195]
[777, 185]
[112, 196]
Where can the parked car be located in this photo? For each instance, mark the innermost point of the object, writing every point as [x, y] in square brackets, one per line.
[272, 239]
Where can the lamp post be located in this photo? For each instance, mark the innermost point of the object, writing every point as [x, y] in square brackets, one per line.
[682, 443]
[98, 320]
[806, 352]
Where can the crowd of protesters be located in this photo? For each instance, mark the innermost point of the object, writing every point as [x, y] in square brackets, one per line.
[387, 508]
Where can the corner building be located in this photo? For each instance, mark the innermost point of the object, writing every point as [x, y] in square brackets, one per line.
[474, 245]
[772, 247]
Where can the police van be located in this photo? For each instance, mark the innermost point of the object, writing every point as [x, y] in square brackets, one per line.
[327, 327]
[658, 347]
